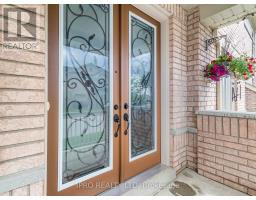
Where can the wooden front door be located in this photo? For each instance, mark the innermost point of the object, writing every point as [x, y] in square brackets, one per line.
[104, 94]
[140, 91]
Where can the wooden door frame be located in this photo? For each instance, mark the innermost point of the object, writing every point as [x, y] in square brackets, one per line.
[162, 15]
[111, 177]
[129, 169]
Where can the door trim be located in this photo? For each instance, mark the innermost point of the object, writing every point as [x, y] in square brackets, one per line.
[162, 15]
[110, 178]
[130, 15]
[60, 100]
[152, 159]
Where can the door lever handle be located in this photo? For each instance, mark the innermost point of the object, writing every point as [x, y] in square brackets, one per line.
[126, 118]
[117, 120]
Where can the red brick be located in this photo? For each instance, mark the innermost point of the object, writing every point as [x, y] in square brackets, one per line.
[235, 172]
[206, 168]
[226, 150]
[212, 124]
[213, 177]
[206, 157]
[206, 146]
[227, 176]
[247, 142]
[227, 163]
[235, 146]
[251, 163]
[199, 122]
[201, 172]
[208, 135]
[235, 159]
[205, 124]
[243, 128]
[252, 129]
[213, 165]
[200, 138]
[219, 129]
[200, 160]
[199, 149]
[247, 169]
[234, 127]
[252, 150]
[251, 192]
[250, 156]
[235, 186]
[227, 138]
[200, 133]
[247, 183]
[252, 178]
[226, 125]
[213, 153]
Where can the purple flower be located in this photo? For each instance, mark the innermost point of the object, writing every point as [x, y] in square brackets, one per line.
[217, 71]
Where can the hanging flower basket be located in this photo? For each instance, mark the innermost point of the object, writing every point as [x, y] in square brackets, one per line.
[241, 68]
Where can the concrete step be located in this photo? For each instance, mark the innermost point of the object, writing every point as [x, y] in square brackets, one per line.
[161, 175]
[154, 184]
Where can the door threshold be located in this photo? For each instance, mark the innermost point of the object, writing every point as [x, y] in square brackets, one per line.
[148, 179]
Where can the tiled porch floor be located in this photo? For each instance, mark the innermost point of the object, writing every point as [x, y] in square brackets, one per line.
[202, 186]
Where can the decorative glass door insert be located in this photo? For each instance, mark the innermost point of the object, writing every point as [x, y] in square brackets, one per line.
[86, 93]
[142, 139]
[104, 124]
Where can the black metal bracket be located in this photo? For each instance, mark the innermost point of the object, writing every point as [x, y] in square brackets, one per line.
[210, 41]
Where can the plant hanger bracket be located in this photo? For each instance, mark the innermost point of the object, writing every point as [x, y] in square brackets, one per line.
[210, 41]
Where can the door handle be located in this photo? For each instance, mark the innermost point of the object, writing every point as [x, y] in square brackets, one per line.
[126, 106]
[117, 120]
[126, 118]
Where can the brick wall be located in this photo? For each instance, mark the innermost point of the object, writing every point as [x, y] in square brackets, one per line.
[226, 149]
[250, 98]
[178, 86]
[201, 93]
[189, 90]
[22, 112]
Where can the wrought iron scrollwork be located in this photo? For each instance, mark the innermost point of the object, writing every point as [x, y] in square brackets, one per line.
[142, 86]
[86, 33]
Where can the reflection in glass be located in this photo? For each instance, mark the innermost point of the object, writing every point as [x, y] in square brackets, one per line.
[85, 117]
[141, 87]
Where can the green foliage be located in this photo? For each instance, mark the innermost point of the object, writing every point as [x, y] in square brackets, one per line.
[239, 67]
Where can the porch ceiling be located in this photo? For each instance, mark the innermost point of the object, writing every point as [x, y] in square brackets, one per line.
[216, 16]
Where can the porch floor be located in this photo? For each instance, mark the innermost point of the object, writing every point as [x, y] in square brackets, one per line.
[189, 183]
[197, 185]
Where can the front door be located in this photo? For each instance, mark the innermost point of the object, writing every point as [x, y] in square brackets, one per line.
[104, 120]
[140, 91]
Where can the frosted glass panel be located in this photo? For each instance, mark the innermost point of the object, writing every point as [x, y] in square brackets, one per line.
[86, 90]
[141, 87]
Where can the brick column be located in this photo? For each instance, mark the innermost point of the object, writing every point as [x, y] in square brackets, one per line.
[189, 90]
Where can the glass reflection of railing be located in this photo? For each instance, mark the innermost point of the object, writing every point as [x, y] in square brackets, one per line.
[86, 130]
